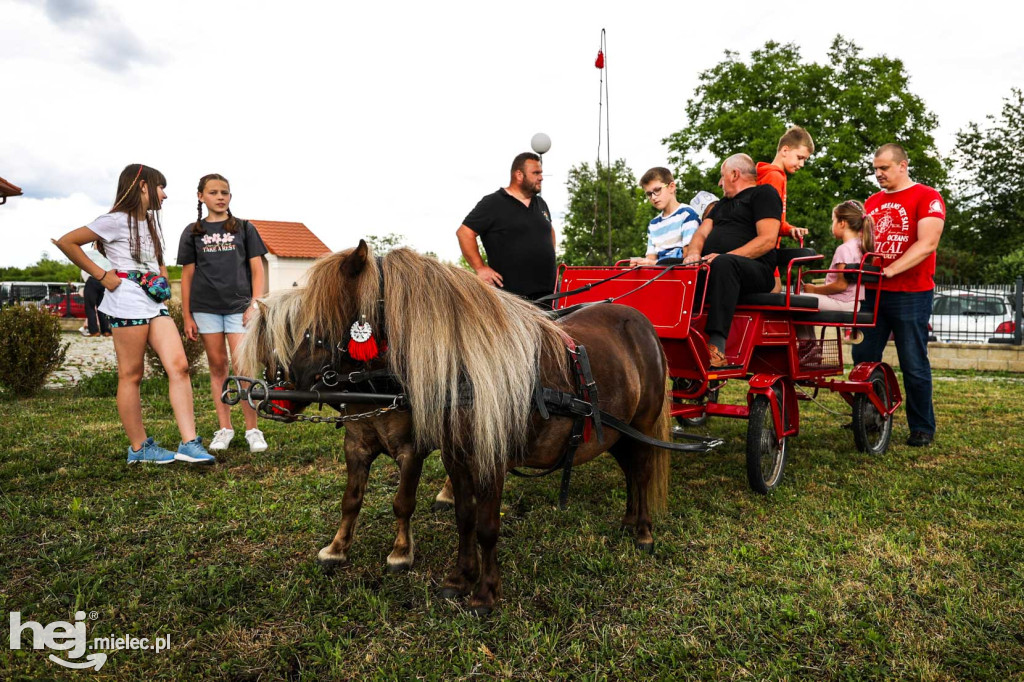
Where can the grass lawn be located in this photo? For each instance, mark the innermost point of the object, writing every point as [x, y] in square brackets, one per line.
[908, 565]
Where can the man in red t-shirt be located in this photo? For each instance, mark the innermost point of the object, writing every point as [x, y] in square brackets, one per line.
[908, 224]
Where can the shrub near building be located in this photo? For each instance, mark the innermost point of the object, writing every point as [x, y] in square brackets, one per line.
[30, 348]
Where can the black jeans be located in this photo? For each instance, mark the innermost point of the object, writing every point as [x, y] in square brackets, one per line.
[93, 296]
[731, 277]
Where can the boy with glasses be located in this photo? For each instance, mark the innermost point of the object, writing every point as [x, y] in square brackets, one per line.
[669, 232]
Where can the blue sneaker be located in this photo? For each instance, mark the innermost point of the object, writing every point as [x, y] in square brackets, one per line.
[194, 452]
[150, 453]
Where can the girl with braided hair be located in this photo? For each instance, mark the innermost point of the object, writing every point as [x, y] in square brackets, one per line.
[221, 278]
[853, 228]
[130, 238]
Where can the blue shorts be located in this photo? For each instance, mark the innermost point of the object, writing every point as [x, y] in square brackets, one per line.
[212, 323]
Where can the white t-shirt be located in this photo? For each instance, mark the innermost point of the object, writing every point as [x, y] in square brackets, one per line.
[127, 301]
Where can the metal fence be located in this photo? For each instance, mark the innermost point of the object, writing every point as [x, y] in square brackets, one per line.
[977, 313]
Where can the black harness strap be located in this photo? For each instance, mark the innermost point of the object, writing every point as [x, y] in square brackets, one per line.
[589, 389]
[702, 445]
[581, 406]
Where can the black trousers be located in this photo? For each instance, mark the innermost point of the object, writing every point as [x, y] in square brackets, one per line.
[93, 296]
[731, 277]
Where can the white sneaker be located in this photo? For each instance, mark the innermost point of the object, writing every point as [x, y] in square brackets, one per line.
[257, 443]
[221, 439]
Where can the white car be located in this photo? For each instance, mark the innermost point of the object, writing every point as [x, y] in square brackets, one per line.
[972, 317]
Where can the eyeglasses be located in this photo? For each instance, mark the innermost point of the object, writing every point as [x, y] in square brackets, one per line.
[654, 192]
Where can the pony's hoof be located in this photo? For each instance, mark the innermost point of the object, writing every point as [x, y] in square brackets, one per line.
[329, 561]
[441, 506]
[399, 566]
[450, 593]
[480, 611]
[645, 547]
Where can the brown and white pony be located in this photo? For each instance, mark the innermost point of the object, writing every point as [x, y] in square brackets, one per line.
[468, 356]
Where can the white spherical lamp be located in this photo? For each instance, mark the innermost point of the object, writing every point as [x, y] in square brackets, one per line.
[540, 143]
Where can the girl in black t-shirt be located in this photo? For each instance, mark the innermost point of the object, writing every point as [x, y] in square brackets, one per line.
[221, 277]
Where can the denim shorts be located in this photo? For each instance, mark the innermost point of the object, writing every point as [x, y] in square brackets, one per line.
[212, 323]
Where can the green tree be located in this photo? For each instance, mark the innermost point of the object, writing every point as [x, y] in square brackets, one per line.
[381, 244]
[1006, 269]
[46, 270]
[585, 232]
[988, 189]
[851, 105]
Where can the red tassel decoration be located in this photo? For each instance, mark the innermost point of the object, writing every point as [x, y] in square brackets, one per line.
[362, 346]
[599, 62]
[363, 351]
[284, 406]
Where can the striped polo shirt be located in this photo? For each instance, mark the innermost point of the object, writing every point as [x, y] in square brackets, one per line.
[672, 232]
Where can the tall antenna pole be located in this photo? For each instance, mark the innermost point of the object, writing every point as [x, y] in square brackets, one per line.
[602, 113]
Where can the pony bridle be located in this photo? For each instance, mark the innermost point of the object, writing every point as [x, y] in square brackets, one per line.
[330, 376]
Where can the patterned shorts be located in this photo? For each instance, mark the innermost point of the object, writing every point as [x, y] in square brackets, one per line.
[128, 322]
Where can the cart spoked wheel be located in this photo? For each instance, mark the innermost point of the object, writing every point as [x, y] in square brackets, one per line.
[766, 454]
[872, 430]
[711, 397]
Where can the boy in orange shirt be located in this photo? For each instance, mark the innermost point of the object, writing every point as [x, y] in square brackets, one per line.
[795, 147]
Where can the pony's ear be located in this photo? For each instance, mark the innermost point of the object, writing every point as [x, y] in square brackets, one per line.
[355, 262]
[262, 308]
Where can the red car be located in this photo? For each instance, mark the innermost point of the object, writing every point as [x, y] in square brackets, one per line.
[58, 305]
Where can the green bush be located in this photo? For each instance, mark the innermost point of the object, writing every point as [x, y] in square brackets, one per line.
[193, 349]
[30, 348]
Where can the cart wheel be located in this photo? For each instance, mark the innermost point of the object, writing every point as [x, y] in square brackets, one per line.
[871, 430]
[766, 457]
[711, 397]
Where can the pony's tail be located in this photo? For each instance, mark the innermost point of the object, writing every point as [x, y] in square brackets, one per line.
[660, 461]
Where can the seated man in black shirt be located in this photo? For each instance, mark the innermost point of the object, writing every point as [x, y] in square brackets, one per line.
[738, 240]
[514, 225]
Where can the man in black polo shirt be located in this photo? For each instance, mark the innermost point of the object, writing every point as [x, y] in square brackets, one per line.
[738, 240]
[514, 225]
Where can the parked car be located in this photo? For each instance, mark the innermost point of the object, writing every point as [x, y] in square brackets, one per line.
[972, 317]
[58, 305]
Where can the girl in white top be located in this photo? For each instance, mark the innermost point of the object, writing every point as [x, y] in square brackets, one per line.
[130, 237]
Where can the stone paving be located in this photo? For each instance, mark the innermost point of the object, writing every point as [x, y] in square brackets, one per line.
[86, 356]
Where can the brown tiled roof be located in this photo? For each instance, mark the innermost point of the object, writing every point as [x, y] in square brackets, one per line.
[290, 240]
[9, 190]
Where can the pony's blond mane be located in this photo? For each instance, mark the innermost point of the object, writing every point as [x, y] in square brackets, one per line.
[446, 327]
[446, 331]
[271, 340]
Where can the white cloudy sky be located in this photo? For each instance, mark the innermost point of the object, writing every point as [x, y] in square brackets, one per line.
[371, 118]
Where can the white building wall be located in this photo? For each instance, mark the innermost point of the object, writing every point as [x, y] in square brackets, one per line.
[283, 273]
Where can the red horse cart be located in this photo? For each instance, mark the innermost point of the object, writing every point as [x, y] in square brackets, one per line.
[764, 348]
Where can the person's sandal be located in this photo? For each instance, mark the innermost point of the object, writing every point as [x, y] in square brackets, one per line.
[717, 359]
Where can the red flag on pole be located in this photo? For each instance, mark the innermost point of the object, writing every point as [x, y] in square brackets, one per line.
[599, 62]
